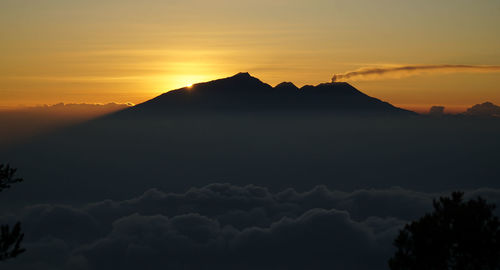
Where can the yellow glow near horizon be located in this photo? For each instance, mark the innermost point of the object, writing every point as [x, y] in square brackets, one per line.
[94, 52]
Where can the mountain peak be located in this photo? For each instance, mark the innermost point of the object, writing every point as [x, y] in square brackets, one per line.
[243, 78]
[286, 86]
[243, 75]
[240, 83]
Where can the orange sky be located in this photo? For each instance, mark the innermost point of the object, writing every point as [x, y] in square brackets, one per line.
[129, 51]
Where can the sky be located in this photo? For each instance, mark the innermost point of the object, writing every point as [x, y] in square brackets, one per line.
[123, 51]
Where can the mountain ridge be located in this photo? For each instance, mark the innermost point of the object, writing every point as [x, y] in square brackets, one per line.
[245, 93]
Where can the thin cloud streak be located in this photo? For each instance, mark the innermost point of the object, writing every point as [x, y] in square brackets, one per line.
[403, 71]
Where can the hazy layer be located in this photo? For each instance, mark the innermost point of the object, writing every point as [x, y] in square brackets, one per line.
[21, 124]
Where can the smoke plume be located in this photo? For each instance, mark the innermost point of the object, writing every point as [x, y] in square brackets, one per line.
[401, 71]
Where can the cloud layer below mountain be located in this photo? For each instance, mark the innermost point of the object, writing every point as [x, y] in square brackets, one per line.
[222, 226]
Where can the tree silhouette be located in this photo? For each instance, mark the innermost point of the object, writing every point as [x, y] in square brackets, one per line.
[456, 235]
[10, 240]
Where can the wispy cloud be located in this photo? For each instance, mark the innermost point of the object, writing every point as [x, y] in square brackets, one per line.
[403, 71]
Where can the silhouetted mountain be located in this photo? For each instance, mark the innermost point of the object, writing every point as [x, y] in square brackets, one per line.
[245, 93]
[173, 143]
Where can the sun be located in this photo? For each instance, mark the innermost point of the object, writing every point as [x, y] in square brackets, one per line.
[189, 85]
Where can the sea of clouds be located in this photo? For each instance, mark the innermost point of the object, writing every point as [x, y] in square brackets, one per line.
[223, 226]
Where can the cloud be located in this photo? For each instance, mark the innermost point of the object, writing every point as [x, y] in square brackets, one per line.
[486, 109]
[257, 206]
[403, 71]
[69, 106]
[436, 111]
[317, 239]
[222, 226]
[112, 106]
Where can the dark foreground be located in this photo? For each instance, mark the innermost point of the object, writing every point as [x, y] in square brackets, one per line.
[302, 191]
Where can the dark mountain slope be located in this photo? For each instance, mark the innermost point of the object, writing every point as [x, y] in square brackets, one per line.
[245, 93]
